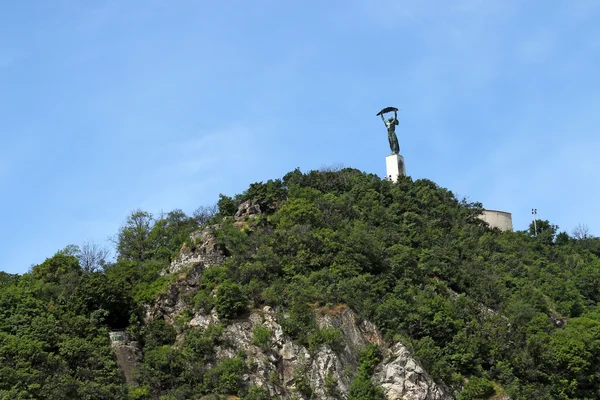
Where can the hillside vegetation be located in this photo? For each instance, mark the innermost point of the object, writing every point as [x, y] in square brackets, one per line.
[485, 312]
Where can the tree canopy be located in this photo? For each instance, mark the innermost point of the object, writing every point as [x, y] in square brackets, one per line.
[485, 311]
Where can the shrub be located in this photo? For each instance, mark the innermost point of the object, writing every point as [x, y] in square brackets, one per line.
[331, 387]
[329, 336]
[158, 333]
[201, 344]
[256, 393]
[299, 321]
[230, 301]
[261, 337]
[226, 376]
[476, 388]
[362, 387]
[203, 300]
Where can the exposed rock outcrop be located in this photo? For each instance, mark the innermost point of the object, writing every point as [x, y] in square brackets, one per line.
[287, 370]
[247, 209]
[204, 253]
[401, 377]
[204, 250]
[169, 303]
[284, 368]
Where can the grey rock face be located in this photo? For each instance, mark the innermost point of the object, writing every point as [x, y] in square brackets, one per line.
[402, 378]
[202, 321]
[168, 304]
[247, 209]
[285, 366]
[189, 265]
[328, 375]
[285, 369]
[206, 251]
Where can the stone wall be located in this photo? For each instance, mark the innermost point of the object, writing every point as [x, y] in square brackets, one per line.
[498, 219]
[127, 353]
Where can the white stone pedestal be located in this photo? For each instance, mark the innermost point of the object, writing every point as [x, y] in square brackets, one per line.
[394, 167]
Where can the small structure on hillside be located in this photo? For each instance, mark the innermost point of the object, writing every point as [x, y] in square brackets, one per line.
[498, 219]
[127, 352]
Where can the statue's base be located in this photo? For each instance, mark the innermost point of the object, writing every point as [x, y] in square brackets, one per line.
[394, 167]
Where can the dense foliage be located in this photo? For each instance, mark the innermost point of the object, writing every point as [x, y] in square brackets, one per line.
[55, 320]
[54, 333]
[485, 311]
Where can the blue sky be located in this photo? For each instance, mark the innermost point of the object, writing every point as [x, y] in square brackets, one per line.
[108, 106]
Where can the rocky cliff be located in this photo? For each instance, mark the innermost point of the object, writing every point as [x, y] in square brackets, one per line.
[284, 368]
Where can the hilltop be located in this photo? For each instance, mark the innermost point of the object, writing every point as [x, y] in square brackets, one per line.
[326, 284]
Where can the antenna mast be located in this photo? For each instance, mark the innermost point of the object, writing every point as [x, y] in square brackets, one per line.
[534, 213]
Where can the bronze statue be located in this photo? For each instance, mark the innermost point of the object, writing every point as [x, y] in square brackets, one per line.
[391, 127]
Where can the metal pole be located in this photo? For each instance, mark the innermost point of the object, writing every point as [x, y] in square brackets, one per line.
[534, 213]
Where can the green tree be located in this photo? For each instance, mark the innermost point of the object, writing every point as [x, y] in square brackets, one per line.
[227, 206]
[230, 301]
[133, 241]
[98, 292]
[545, 231]
[158, 333]
[476, 388]
[168, 233]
